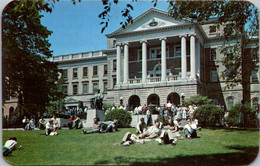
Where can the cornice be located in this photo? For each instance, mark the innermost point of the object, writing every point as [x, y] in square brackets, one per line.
[81, 60]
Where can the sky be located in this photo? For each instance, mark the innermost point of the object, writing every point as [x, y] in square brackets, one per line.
[76, 28]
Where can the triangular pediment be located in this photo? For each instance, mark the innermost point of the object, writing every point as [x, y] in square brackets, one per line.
[71, 100]
[149, 20]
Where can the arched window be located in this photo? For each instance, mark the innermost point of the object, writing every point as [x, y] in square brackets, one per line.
[230, 102]
[255, 102]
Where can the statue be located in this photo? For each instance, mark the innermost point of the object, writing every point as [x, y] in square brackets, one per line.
[98, 100]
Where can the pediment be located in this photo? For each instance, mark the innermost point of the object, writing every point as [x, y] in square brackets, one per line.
[149, 20]
[71, 100]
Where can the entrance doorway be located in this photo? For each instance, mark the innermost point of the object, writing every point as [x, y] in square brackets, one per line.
[133, 101]
[174, 98]
[153, 99]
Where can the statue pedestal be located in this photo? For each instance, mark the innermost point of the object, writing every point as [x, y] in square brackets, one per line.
[91, 115]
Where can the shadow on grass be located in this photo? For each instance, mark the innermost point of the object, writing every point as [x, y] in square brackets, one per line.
[243, 156]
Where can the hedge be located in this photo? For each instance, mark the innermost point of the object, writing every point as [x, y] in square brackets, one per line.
[124, 118]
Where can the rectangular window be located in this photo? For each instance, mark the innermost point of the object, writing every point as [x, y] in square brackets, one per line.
[139, 54]
[213, 55]
[75, 89]
[105, 86]
[212, 29]
[85, 71]
[85, 88]
[65, 89]
[254, 76]
[65, 73]
[155, 53]
[105, 69]
[75, 73]
[95, 87]
[114, 65]
[177, 51]
[213, 76]
[114, 82]
[95, 70]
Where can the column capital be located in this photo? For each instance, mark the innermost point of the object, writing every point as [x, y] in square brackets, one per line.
[118, 44]
[180, 36]
[126, 43]
[143, 41]
[194, 34]
[163, 38]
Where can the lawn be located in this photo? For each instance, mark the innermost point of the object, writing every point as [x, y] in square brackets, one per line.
[70, 147]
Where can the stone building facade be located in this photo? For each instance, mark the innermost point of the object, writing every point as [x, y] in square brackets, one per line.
[152, 61]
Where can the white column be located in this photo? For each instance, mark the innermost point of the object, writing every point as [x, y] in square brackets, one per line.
[163, 59]
[183, 57]
[118, 59]
[197, 57]
[144, 61]
[126, 68]
[192, 57]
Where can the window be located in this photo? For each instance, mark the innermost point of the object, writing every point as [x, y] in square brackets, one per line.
[212, 29]
[105, 69]
[65, 89]
[177, 51]
[213, 76]
[105, 86]
[85, 88]
[75, 73]
[228, 29]
[85, 71]
[230, 102]
[114, 65]
[254, 76]
[65, 73]
[213, 56]
[95, 70]
[75, 89]
[95, 87]
[155, 53]
[139, 54]
[255, 102]
[114, 82]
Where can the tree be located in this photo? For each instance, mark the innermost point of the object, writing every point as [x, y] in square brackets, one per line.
[241, 21]
[27, 72]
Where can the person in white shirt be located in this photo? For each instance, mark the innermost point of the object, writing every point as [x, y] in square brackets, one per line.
[55, 122]
[190, 130]
[152, 131]
[25, 121]
[50, 129]
[9, 146]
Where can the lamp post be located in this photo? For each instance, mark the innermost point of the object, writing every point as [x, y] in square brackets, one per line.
[121, 100]
[182, 98]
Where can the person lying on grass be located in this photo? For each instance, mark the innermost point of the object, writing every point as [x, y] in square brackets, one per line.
[95, 127]
[171, 135]
[151, 132]
[9, 146]
[103, 127]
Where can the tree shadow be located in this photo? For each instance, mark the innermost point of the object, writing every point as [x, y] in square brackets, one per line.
[243, 156]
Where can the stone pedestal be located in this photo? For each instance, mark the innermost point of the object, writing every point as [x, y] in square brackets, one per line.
[91, 115]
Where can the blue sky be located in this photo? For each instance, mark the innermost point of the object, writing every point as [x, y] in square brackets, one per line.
[76, 28]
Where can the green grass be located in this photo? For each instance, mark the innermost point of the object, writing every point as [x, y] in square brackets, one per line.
[70, 147]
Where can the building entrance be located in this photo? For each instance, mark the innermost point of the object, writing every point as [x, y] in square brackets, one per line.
[153, 99]
[133, 101]
[174, 98]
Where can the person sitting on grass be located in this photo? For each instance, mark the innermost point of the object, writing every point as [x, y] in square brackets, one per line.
[50, 128]
[9, 146]
[129, 139]
[42, 123]
[108, 126]
[25, 121]
[70, 122]
[171, 135]
[190, 130]
[152, 131]
[55, 122]
[95, 127]
[77, 123]
[141, 126]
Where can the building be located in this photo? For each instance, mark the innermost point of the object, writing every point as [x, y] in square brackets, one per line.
[152, 61]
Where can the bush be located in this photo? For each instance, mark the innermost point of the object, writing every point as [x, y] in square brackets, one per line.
[197, 100]
[124, 118]
[107, 106]
[249, 116]
[209, 115]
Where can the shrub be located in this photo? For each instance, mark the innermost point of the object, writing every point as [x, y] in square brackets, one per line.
[209, 115]
[107, 106]
[249, 115]
[124, 118]
[197, 100]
